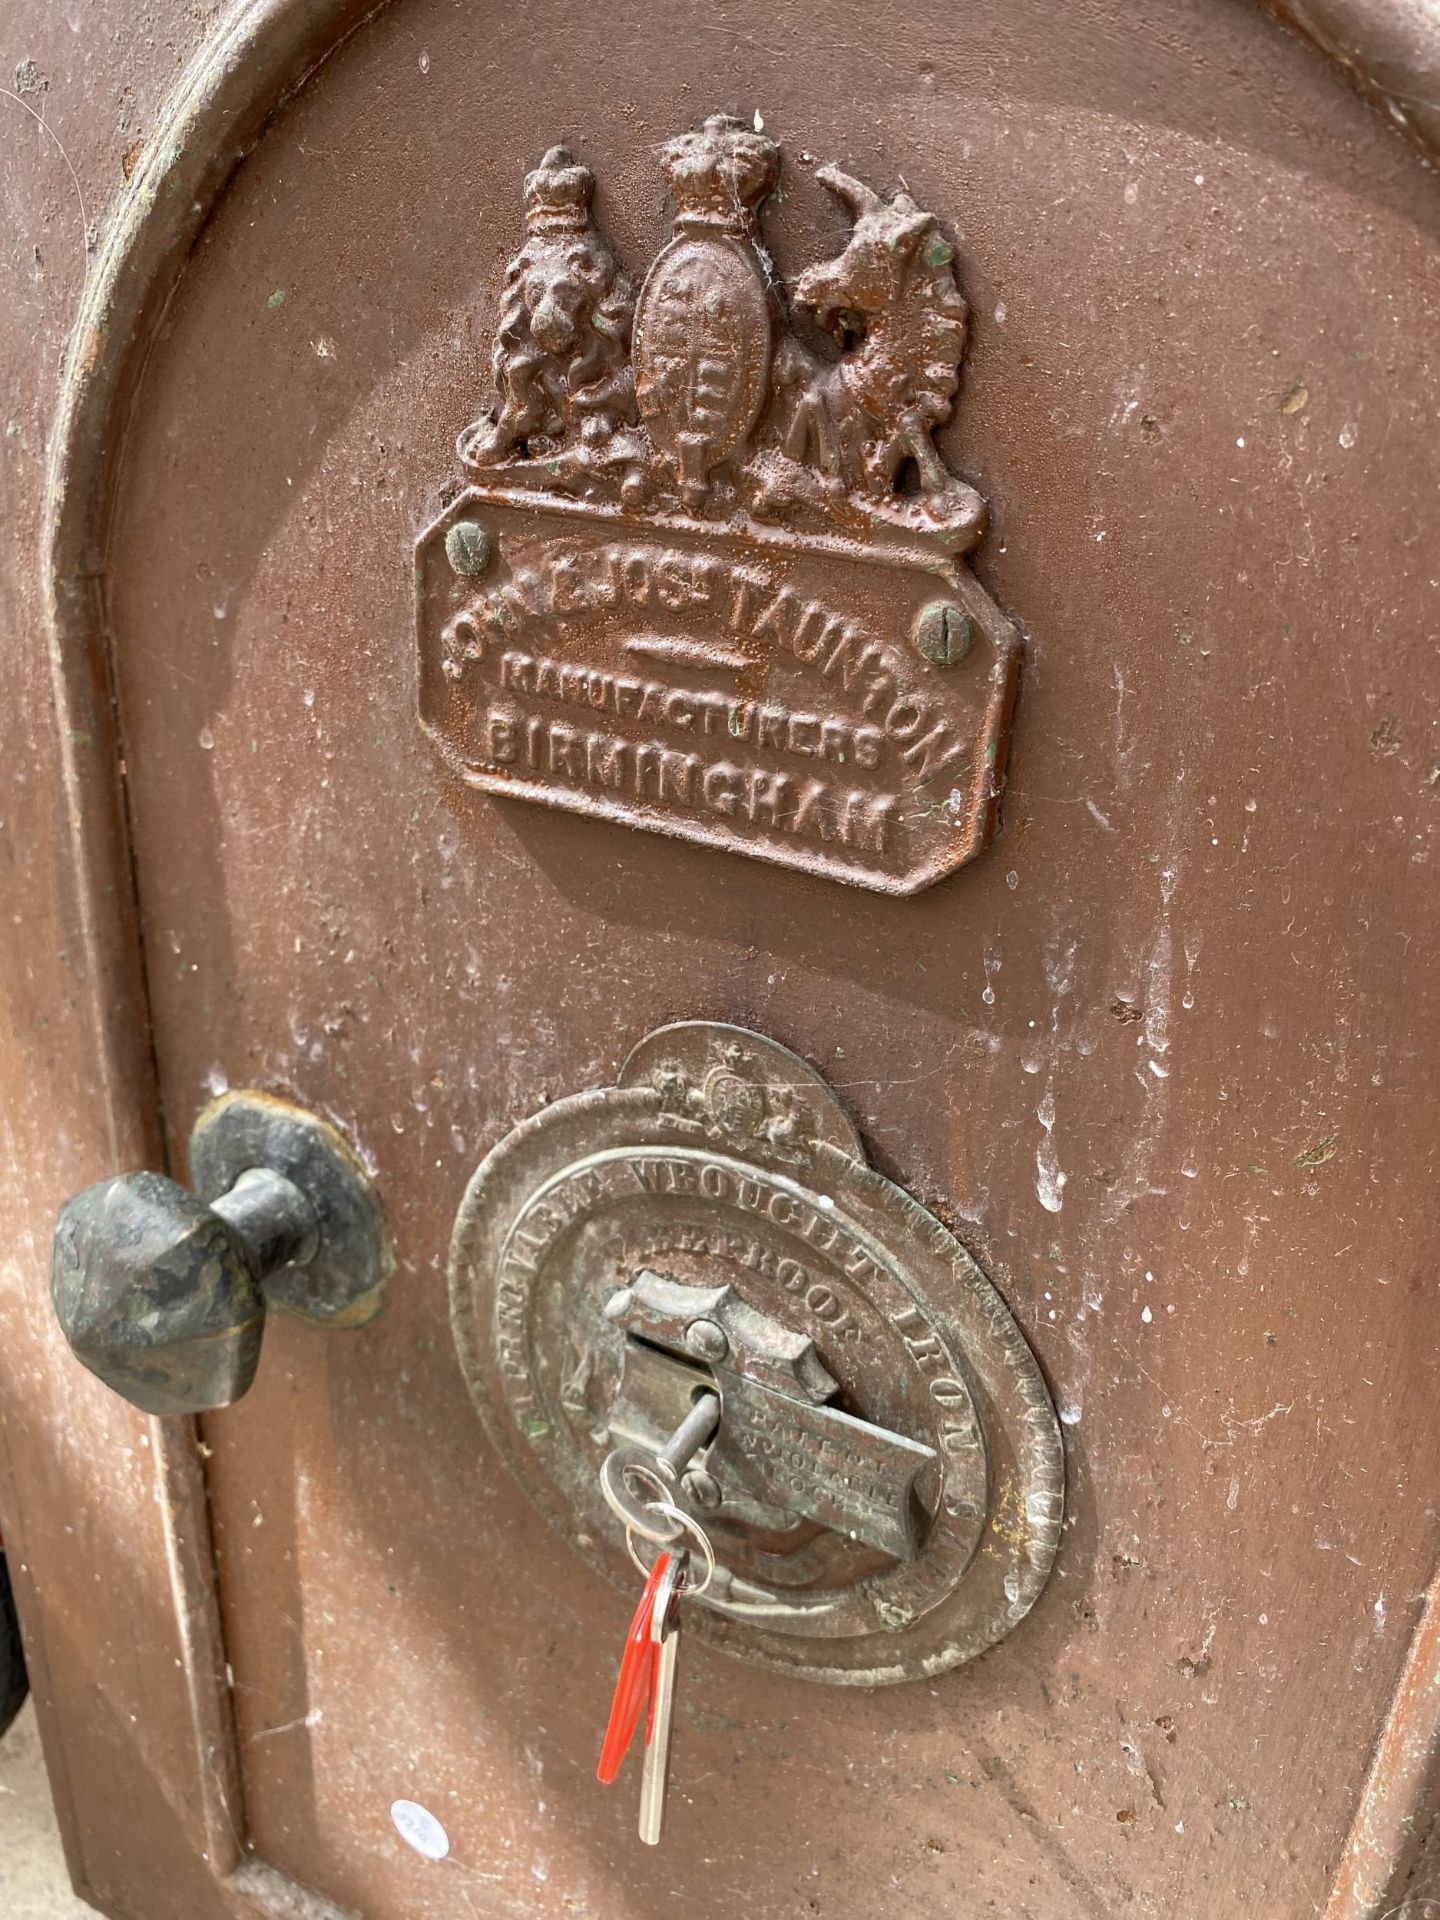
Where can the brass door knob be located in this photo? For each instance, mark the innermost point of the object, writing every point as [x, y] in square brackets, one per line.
[162, 1293]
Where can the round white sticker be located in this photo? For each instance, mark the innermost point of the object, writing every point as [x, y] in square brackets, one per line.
[419, 1829]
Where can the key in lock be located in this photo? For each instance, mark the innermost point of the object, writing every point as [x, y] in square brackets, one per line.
[883, 1418]
[781, 1453]
[645, 1688]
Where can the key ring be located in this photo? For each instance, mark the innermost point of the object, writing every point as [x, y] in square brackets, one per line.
[623, 1465]
[684, 1523]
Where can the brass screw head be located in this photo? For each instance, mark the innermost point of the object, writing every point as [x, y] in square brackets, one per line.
[943, 633]
[706, 1341]
[467, 547]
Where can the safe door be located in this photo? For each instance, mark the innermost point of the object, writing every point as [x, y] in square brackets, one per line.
[739, 717]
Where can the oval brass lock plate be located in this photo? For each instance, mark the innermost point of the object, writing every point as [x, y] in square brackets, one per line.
[886, 1487]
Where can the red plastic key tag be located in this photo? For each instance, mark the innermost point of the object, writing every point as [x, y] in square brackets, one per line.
[635, 1684]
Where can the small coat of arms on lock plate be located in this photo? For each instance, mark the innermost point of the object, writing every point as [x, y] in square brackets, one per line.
[708, 574]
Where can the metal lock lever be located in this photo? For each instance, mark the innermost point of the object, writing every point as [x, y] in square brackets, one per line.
[777, 1451]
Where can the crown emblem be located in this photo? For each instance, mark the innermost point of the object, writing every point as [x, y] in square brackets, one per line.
[721, 172]
[557, 195]
[735, 481]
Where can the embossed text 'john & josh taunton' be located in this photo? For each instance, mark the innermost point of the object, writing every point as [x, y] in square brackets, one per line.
[555, 601]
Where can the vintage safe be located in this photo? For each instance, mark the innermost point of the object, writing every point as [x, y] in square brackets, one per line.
[719, 801]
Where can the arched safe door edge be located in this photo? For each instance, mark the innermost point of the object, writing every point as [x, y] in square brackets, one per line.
[262, 53]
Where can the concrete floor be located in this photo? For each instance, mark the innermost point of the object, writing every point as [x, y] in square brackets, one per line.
[33, 1882]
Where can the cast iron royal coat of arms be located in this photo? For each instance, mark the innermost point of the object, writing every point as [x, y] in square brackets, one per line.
[708, 576]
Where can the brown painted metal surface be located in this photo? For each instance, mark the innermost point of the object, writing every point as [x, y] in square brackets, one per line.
[1161, 1055]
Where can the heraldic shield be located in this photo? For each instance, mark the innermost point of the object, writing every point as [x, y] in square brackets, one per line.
[707, 577]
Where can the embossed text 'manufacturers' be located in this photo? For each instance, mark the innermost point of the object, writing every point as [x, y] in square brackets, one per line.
[732, 699]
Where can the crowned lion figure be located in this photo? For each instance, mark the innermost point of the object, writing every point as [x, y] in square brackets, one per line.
[562, 346]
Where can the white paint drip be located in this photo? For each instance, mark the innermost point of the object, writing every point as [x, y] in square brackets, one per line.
[1049, 1175]
[1157, 989]
[1136, 1178]
[1122, 748]
[992, 966]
